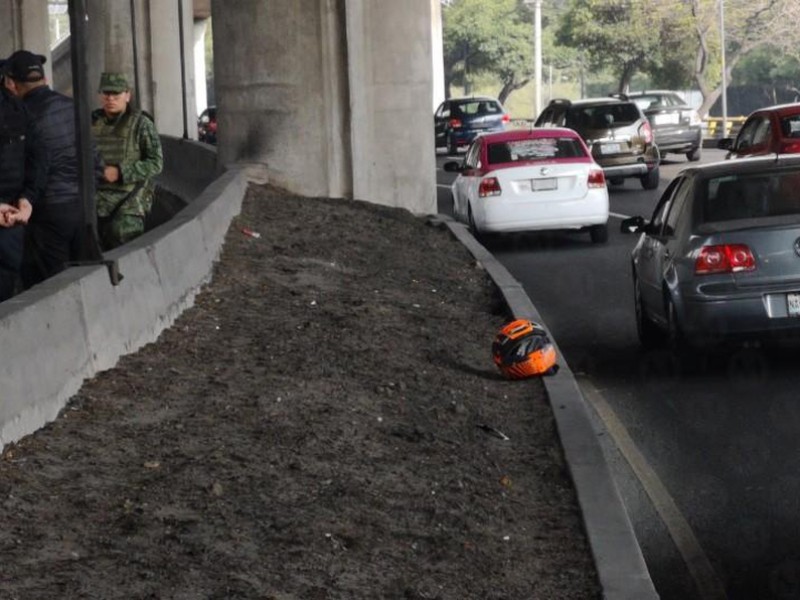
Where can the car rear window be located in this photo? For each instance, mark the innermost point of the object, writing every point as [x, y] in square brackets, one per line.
[534, 149]
[478, 108]
[603, 116]
[750, 197]
[790, 126]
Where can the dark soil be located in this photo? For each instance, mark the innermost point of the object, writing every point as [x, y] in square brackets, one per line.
[324, 423]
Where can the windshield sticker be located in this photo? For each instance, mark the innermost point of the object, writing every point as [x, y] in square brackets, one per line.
[533, 149]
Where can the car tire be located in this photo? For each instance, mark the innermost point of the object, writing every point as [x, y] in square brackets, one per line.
[651, 180]
[694, 154]
[599, 233]
[648, 332]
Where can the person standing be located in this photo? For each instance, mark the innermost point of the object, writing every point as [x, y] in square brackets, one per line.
[53, 235]
[130, 151]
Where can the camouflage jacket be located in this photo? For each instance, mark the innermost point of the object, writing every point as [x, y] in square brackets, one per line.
[129, 141]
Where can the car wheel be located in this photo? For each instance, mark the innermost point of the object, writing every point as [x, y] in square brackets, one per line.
[599, 233]
[650, 181]
[649, 334]
[694, 154]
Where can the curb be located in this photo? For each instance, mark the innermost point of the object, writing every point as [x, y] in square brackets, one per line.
[618, 558]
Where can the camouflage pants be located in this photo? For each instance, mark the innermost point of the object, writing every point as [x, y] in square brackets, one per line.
[119, 229]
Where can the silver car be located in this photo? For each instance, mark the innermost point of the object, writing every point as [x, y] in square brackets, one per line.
[719, 260]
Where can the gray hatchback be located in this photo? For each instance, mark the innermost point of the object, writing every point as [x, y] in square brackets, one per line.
[719, 260]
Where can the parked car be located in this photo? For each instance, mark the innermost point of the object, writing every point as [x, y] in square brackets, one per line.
[457, 121]
[676, 125]
[617, 132]
[769, 130]
[530, 180]
[207, 125]
[719, 260]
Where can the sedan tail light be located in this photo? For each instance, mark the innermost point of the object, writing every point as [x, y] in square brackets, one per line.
[455, 123]
[727, 258]
[646, 132]
[489, 187]
[597, 178]
[506, 118]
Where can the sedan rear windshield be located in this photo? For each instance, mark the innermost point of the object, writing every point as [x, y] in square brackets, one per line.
[603, 116]
[534, 149]
[477, 108]
[738, 197]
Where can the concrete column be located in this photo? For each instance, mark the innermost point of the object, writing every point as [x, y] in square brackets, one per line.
[165, 57]
[329, 97]
[199, 57]
[25, 25]
[391, 89]
[437, 53]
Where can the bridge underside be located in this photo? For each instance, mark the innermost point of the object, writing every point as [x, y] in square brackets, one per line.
[321, 97]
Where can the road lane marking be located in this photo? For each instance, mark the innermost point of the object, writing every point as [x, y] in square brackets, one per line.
[442, 185]
[706, 579]
[617, 215]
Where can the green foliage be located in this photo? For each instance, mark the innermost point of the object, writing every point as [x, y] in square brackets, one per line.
[616, 34]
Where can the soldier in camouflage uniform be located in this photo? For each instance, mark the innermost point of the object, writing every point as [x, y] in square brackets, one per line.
[130, 150]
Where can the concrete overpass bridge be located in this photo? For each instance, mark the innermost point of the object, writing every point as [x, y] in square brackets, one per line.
[320, 97]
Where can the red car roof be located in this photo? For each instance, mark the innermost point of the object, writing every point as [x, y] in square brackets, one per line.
[528, 134]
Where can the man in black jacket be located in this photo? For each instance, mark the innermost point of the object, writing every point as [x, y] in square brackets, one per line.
[20, 157]
[53, 234]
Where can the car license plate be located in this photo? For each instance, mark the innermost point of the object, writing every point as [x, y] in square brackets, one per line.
[667, 119]
[610, 148]
[539, 185]
[793, 304]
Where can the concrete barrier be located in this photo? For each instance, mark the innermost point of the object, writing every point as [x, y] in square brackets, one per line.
[76, 324]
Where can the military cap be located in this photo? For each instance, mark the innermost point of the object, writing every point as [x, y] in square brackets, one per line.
[24, 66]
[113, 82]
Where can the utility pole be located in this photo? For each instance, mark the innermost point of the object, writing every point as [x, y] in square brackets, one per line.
[724, 74]
[537, 54]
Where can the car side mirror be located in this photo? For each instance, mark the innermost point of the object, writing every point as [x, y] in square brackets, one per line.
[633, 225]
[453, 166]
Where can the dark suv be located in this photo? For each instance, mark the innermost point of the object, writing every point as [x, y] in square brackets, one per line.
[458, 121]
[617, 132]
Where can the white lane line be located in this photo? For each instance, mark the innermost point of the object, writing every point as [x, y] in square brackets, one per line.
[442, 185]
[617, 215]
[706, 579]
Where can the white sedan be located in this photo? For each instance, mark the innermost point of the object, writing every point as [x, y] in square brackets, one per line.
[530, 180]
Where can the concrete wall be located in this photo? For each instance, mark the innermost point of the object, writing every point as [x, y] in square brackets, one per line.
[341, 106]
[67, 329]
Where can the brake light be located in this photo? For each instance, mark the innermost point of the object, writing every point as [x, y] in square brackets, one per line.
[489, 187]
[597, 178]
[506, 118]
[790, 148]
[455, 123]
[646, 132]
[727, 258]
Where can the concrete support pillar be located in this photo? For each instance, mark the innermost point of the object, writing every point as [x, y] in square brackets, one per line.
[199, 57]
[437, 53]
[329, 97]
[25, 25]
[165, 61]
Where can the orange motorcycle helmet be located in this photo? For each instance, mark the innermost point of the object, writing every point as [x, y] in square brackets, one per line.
[523, 349]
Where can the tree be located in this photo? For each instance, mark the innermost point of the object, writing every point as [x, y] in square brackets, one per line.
[614, 34]
[748, 26]
[482, 36]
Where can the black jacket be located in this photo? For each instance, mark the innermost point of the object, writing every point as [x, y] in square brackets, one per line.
[22, 158]
[53, 117]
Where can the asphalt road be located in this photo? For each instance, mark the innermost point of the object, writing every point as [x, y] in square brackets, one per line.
[707, 461]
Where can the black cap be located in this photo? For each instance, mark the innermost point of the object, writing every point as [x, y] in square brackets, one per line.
[24, 66]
